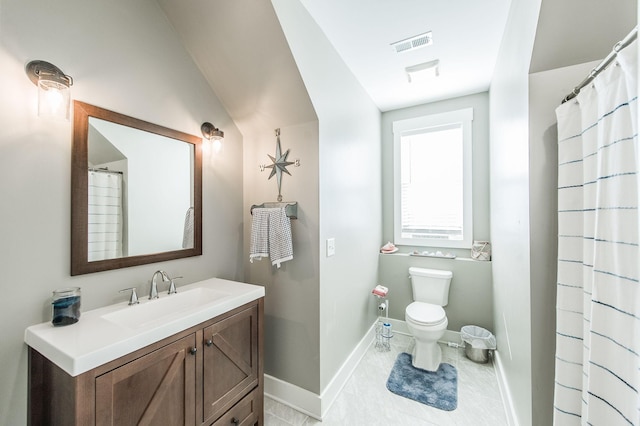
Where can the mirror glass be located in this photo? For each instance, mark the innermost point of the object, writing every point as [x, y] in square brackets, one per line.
[136, 192]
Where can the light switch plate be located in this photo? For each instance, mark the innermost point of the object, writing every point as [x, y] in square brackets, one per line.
[331, 246]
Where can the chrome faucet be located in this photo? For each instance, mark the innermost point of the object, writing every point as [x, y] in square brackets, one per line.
[153, 292]
[172, 285]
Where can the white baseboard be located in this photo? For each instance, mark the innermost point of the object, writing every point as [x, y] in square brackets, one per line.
[308, 402]
[512, 420]
[340, 379]
[299, 399]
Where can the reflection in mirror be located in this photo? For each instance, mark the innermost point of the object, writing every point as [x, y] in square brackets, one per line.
[138, 184]
[136, 195]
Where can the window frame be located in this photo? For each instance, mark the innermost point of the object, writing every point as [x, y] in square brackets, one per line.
[412, 126]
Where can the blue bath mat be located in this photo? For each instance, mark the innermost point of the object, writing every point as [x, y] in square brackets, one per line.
[436, 388]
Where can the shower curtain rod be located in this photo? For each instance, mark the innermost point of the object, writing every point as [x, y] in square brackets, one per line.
[105, 171]
[604, 64]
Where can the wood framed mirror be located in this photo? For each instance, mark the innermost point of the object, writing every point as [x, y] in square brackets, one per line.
[136, 192]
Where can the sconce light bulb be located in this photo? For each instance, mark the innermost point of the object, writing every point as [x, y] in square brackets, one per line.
[54, 99]
[217, 145]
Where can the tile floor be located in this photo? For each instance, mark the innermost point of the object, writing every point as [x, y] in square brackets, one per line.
[366, 401]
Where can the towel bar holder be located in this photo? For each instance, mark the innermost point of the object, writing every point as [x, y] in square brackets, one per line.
[290, 207]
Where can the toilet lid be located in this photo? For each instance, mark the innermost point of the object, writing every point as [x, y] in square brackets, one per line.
[425, 313]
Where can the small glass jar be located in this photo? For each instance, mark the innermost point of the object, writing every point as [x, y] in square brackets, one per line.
[65, 306]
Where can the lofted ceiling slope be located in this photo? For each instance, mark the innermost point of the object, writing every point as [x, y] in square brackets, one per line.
[572, 32]
[241, 50]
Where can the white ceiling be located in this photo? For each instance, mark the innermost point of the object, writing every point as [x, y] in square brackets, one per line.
[466, 40]
[242, 51]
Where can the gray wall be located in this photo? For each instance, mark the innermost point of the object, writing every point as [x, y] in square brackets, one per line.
[246, 59]
[123, 56]
[510, 232]
[349, 188]
[471, 300]
[333, 128]
[292, 342]
[470, 295]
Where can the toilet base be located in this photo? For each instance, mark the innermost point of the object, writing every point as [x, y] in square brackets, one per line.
[427, 356]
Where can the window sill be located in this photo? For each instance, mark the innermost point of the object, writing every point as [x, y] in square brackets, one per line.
[457, 258]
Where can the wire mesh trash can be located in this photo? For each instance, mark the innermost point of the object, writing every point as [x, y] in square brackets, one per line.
[477, 343]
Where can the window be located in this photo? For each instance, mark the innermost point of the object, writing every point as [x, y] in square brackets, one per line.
[432, 180]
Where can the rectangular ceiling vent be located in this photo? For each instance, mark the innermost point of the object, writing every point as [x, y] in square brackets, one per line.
[413, 43]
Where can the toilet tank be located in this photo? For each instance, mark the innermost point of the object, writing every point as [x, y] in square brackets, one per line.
[430, 285]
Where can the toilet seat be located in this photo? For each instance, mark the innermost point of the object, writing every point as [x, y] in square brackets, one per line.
[423, 313]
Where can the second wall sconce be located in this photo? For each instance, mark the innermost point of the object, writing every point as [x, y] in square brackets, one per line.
[211, 132]
[54, 94]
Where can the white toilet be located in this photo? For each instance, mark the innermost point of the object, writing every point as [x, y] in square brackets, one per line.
[425, 317]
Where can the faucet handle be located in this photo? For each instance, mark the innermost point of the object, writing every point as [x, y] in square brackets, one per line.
[133, 300]
[172, 285]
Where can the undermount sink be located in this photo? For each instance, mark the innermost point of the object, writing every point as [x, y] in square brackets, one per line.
[165, 308]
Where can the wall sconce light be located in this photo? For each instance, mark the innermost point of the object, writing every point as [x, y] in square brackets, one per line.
[54, 95]
[213, 134]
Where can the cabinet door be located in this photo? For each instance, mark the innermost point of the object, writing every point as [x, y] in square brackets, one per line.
[155, 389]
[230, 362]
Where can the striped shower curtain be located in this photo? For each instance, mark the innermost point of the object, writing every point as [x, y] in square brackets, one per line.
[105, 215]
[597, 376]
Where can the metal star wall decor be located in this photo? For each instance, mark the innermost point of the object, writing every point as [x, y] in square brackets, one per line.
[279, 164]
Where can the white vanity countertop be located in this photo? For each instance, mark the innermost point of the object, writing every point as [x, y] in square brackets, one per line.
[107, 333]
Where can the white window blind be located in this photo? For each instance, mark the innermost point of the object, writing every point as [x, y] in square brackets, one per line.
[433, 180]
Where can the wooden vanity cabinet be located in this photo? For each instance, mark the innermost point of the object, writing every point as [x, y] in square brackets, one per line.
[210, 374]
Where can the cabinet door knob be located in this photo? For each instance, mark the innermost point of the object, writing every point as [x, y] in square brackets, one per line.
[235, 421]
[209, 342]
[193, 351]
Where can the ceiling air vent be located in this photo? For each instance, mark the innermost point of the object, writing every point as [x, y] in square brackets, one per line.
[413, 43]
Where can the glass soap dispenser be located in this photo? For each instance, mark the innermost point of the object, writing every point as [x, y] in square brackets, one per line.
[65, 306]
